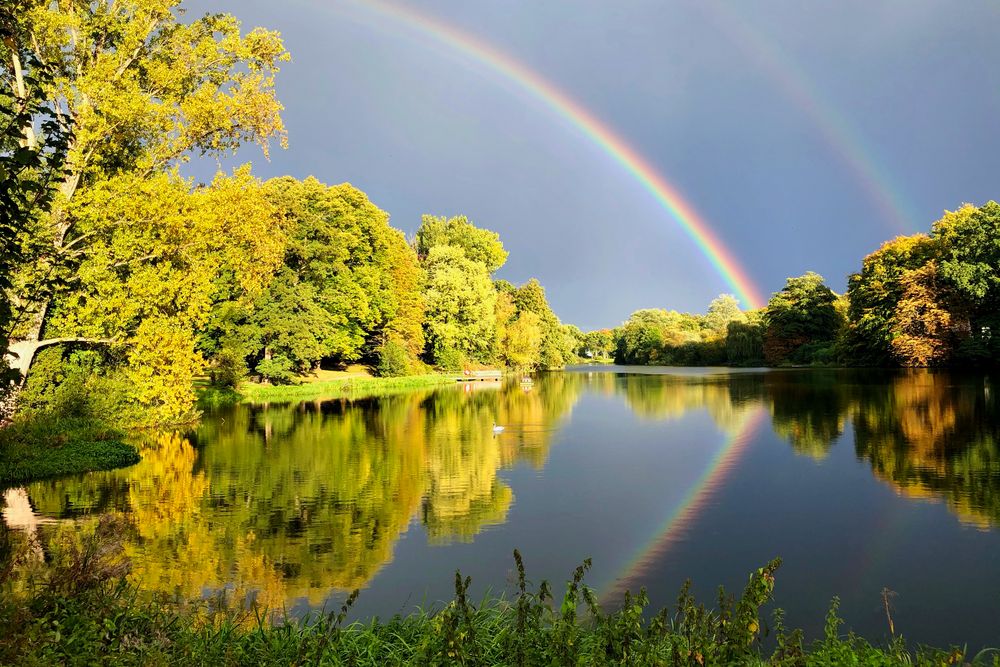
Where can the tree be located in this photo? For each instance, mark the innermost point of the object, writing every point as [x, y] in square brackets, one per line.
[803, 313]
[522, 342]
[745, 341]
[142, 91]
[599, 343]
[723, 309]
[460, 302]
[479, 245]
[557, 343]
[922, 329]
[147, 280]
[34, 141]
[970, 263]
[874, 292]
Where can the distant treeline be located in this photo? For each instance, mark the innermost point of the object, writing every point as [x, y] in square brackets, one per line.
[922, 300]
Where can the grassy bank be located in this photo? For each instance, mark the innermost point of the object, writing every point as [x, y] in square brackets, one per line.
[80, 610]
[353, 386]
[45, 445]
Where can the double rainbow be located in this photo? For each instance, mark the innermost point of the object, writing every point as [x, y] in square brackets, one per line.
[600, 134]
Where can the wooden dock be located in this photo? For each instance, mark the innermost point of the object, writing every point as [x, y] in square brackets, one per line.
[486, 375]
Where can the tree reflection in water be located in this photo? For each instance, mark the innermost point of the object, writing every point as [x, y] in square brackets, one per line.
[293, 501]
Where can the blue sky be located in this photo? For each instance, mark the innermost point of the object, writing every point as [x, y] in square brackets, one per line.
[423, 129]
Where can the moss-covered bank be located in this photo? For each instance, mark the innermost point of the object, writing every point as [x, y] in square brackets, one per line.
[41, 446]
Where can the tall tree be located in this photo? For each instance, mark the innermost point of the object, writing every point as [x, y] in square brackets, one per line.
[875, 291]
[479, 245]
[723, 309]
[970, 262]
[922, 328]
[461, 304]
[143, 92]
[804, 312]
[34, 141]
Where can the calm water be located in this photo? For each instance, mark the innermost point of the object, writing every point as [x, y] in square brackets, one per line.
[858, 480]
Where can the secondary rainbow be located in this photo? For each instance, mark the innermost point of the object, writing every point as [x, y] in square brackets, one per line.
[687, 511]
[834, 127]
[593, 129]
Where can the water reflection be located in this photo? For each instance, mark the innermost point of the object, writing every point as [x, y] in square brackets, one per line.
[294, 501]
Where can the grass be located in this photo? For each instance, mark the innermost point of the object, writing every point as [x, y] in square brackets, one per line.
[352, 386]
[81, 610]
[45, 445]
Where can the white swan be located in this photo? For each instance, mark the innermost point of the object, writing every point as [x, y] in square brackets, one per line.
[497, 429]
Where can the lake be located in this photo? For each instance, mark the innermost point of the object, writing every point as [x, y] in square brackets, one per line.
[859, 480]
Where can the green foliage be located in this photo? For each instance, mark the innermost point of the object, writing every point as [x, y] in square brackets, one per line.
[34, 143]
[80, 384]
[50, 444]
[723, 310]
[873, 294]
[479, 245]
[393, 360]
[99, 619]
[597, 344]
[803, 312]
[449, 359]
[745, 343]
[460, 307]
[277, 369]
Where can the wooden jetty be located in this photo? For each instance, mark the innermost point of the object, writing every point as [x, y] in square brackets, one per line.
[480, 375]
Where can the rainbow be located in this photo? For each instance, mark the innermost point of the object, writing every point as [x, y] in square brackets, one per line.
[834, 127]
[593, 129]
[687, 511]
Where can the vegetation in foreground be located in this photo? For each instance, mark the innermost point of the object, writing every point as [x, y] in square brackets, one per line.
[79, 609]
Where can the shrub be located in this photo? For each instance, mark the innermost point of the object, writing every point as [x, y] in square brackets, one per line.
[393, 361]
[279, 369]
[449, 359]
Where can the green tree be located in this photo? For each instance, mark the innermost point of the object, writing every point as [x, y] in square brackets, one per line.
[723, 309]
[460, 306]
[970, 262]
[522, 342]
[34, 141]
[146, 282]
[599, 343]
[479, 245]
[143, 92]
[804, 313]
[874, 292]
[557, 342]
[922, 328]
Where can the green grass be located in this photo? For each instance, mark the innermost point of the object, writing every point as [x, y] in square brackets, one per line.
[347, 387]
[42, 446]
[81, 611]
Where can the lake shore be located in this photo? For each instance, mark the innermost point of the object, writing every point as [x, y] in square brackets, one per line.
[47, 447]
[343, 386]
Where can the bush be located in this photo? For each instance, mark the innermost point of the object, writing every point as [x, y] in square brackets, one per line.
[80, 384]
[229, 368]
[449, 359]
[279, 369]
[393, 361]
